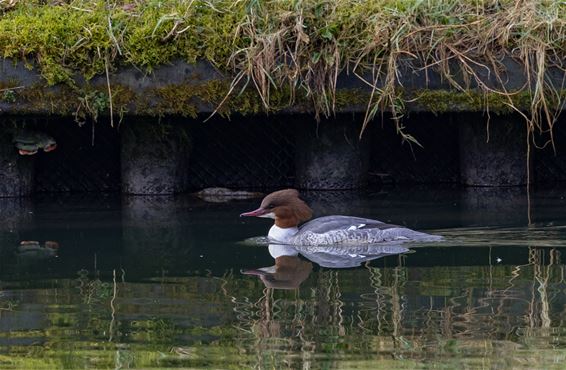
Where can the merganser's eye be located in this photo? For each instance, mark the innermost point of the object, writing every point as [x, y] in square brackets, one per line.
[270, 206]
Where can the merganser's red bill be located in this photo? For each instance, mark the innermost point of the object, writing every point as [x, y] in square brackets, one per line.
[255, 272]
[258, 212]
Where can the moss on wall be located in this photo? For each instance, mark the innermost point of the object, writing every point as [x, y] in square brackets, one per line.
[287, 51]
[189, 99]
[86, 37]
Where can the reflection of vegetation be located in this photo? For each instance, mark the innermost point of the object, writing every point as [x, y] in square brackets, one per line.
[401, 317]
[445, 314]
[92, 290]
[7, 306]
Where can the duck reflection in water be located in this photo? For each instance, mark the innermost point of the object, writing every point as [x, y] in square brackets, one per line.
[290, 270]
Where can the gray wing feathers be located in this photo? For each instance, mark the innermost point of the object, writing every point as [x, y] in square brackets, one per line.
[325, 224]
[355, 230]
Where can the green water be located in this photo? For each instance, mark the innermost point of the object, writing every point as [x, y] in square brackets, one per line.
[142, 283]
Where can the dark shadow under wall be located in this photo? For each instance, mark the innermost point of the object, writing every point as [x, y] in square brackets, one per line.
[243, 152]
[77, 165]
[435, 161]
[549, 167]
[260, 152]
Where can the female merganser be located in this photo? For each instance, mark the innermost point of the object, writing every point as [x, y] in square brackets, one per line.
[289, 211]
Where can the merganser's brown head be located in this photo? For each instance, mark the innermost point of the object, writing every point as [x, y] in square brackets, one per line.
[285, 207]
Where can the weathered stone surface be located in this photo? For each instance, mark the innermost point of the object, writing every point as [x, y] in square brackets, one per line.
[154, 159]
[16, 172]
[330, 156]
[494, 155]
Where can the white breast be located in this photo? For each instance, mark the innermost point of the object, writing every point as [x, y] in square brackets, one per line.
[281, 234]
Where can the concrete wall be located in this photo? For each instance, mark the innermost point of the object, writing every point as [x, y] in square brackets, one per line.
[287, 148]
[269, 152]
[140, 93]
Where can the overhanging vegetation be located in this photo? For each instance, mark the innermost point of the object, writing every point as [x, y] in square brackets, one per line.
[301, 47]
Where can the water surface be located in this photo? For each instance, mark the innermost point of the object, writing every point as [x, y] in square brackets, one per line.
[158, 282]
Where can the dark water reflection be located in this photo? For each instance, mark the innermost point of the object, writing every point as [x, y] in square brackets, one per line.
[158, 282]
